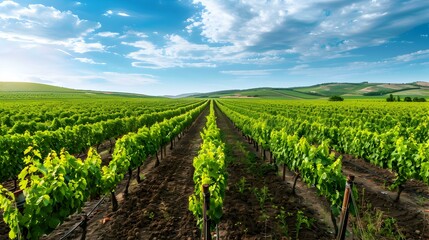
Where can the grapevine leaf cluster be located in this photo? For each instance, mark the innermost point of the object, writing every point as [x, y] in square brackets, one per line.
[209, 169]
[58, 185]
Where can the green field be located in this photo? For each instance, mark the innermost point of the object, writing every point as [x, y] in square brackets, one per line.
[45, 129]
[28, 91]
[322, 91]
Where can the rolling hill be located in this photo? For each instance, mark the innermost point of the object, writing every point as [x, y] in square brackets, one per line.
[31, 87]
[258, 93]
[26, 90]
[354, 90]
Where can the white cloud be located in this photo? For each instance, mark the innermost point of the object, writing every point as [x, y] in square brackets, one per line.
[108, 34]
[361, 68]
[58, 67]
[41, 25]
[89, 61]
[123, 14]
[317, 28]
[421, 54]
[109, 13]
[10, 4]
[179, 52]
[42, 21]
[80, 46]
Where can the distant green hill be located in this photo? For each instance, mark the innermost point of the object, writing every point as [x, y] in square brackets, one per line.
[31, 87]
[21, 90]
[273, 93]
[24, 90]
[352, 90]
[363, 89]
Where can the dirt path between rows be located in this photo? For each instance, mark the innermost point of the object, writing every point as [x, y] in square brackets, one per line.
[411, 212]
[157, 208]
[246, 216]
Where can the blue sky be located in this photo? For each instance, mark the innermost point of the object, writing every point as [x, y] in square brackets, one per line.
[160, 47]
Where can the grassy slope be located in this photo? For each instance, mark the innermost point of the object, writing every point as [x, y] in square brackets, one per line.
[31, 87]
[270, 93]
[23, 90]
[334, 89]
[13, 90]
[414, 93]
[348, 90]
[359, 89]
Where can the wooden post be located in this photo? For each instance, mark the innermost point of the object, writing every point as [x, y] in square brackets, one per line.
[157, 159]
[114, 202]
[84, 226]
[345, 208]
[130, 174]
[206, 207]
[138, 175]
[294, 182]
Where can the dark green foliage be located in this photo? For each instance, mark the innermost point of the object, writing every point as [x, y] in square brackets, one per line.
[336, 98]
[417, 99]
[390, 98]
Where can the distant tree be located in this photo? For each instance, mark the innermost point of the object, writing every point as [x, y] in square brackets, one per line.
[408, 99]
[417, 99]
[336, 98]
[390, 98]
[398, 98]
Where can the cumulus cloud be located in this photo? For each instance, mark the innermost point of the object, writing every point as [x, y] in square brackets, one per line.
[317, 28]
[51, 65]
[179, 52]
[42, 21]
[108, 34]
[39, 24]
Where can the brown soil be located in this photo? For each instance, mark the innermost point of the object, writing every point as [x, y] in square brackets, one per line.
[411, 212]
[157, 208]
[243, 217]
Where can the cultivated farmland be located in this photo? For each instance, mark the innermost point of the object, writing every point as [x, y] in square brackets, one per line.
[115, 167]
